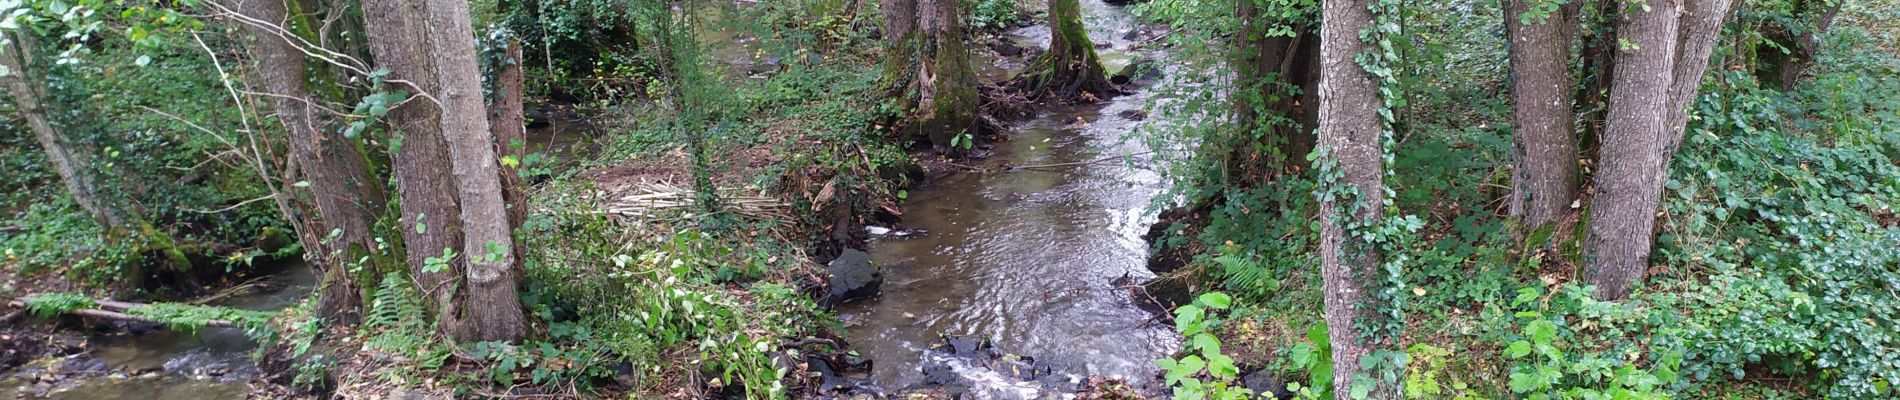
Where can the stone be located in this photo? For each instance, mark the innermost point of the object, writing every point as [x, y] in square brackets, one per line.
[852, 277]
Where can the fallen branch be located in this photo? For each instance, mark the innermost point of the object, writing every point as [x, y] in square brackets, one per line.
[114, 310]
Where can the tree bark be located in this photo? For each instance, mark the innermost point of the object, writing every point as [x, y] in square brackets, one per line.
[1544, 180]
[399, 40]
[493, 305]
[1629, 179]
[1070, 70]
[17, 59]
[1350, 135]
[930, 67]
[347, 199]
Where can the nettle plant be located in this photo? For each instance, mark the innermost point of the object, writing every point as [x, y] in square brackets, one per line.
[1203, 372]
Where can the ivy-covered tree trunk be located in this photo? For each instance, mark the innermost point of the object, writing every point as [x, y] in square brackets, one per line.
[1352, 193]
[928, 60]
[1544, 180]
[346, 197]
[431, 231]
[493, 305]
[16, 63]
[1630, 174]
[1070, 70]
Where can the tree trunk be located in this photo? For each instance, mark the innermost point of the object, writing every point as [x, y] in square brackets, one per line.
[1271, 69]
[398, 32]
[493, 305]
[1629, 179]
[509, 125]
[347, 199]
[927, 58]
[1350, 135]
[1544, 180]
[1070, 70]
[1701, 25]
[16, 58]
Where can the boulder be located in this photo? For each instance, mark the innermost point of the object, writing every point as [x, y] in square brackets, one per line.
[852, 277]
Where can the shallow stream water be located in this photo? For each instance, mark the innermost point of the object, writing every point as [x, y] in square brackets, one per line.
[1028, 258]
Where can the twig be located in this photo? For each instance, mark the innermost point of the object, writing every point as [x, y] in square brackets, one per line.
[233, 206]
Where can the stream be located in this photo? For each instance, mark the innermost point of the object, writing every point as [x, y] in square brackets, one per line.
[1029, 258]
[163, 364]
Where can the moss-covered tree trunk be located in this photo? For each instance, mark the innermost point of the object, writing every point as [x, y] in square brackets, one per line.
[928, 67]
[1070, 70]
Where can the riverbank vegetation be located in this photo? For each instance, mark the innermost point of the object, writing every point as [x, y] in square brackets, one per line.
[1369, 198]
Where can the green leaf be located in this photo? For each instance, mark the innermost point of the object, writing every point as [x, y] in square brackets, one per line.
[1207, 343]
[1221, 366]
[1522, 382]
[1216, 300]
[1518, 349]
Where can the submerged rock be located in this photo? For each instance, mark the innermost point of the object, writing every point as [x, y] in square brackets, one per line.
[852, 277]
[1142, 70]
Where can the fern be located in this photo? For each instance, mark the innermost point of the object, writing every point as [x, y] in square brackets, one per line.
[397, 322]
[51, 304]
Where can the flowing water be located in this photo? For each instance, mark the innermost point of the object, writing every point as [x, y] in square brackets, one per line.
[1028, 258]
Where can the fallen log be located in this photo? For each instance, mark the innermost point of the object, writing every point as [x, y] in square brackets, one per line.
[114, 310]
